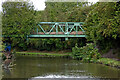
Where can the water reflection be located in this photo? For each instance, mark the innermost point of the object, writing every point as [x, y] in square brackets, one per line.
[60, 76]
[36, 67]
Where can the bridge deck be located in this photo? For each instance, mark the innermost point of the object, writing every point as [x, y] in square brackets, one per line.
[59, 33]
[55, 36]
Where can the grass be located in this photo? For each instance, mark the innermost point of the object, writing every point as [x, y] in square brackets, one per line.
[45, 54]
[109, 62]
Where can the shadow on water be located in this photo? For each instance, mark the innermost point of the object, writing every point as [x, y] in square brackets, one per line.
[38, 68]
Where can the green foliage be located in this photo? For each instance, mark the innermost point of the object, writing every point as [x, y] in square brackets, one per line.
[86, 53]
[52, 44]
[63, 12]
[109, 62]
[17, 19]
[103, 21]
[102, 25]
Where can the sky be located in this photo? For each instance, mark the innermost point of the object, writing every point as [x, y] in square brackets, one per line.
[38, 4]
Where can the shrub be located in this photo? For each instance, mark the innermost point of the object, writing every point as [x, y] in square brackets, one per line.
[86, 53]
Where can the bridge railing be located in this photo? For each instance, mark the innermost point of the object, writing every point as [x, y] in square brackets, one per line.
[60, 28]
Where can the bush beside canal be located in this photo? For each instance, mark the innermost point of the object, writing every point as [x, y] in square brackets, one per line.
[89, 53]
[86, 53]
[109, 62]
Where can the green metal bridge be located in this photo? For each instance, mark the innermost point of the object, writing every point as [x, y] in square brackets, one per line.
[58, 30]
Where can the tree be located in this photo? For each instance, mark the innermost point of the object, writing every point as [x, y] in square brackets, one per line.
[18, 20]
[104, 21]
[63, 12]
[103, 24]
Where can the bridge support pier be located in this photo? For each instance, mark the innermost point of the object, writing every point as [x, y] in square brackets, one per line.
[66, 38]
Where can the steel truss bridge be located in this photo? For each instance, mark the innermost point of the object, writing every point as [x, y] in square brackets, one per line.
[58, 30]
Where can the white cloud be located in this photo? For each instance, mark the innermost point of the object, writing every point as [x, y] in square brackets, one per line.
[39, 4]
[93, 1]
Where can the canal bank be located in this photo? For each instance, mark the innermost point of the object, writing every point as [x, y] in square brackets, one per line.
[39, 54]
[103, 61]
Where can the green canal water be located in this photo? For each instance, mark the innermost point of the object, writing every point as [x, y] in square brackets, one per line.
[39, 68]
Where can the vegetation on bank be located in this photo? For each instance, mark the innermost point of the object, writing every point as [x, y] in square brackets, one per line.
[86, 53]
[109, 62]
[90, 54]
[54, 44]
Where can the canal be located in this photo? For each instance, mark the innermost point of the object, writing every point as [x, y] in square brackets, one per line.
[32, 68]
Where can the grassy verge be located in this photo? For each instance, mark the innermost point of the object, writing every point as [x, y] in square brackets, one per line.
[109, 62]
[44, 54]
